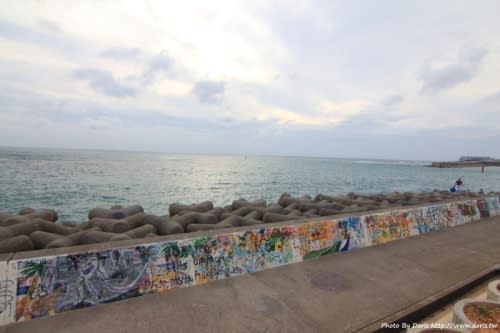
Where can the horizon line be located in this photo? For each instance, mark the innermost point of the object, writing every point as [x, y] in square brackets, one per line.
[117, 150]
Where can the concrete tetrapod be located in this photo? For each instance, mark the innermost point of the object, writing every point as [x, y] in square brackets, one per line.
[256, 215]
[26, 210]
[45, 214]
[230, 221]
[202, 207]
[25, 228]
[198, 227]
[136, 220]
[164, 225]
[55, 228]
[16, 244]
[71, 240]
[241, 212]
[217, 211]
[42, 239]
[110, 225]
[141, 231]
[91, 237]
[244, 203]
[6, 233]
[7, 220]
[116, 212]
[272, 217]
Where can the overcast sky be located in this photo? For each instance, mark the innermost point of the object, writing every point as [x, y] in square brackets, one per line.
[388, 79]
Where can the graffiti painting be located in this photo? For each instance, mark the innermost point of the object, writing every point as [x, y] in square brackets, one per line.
[51, 285]
[468, 210]
[493, 206]
[483, 208]
[354, 233]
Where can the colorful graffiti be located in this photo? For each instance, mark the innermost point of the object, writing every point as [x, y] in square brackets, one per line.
[433, 218]
[468, 211]
[493, 205]
[51, 285]
[482, 207]
[382, 228]
[46, 286]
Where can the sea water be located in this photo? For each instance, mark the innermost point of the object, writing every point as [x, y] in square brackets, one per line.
[74, 181]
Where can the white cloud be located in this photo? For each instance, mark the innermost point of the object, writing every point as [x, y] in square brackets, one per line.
[275, 68]
[335, 112]
[171, 88]
[209, 92]
[451, 75]
[104, 82]
[101, 122]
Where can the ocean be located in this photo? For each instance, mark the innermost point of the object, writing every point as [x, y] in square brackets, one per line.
[74, 181]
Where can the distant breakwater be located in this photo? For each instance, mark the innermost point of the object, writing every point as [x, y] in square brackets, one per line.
[465, 164]
[34, 229]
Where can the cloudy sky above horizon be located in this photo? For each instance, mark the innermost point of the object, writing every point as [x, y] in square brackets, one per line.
[388, 79]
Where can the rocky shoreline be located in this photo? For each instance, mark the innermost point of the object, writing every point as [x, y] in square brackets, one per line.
[34, 229]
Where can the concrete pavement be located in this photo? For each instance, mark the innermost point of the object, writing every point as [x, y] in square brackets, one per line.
[347, 292]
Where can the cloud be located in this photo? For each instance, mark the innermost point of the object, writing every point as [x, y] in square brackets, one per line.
[100, 123]
[121, 53]
[490, 105]
[104, 82]
[335, 112]
[326, 113]
[156, 65]
[376, 118]
[44, 37]
[493, 99]
[451, 75]
[392, 100]
[209, 92]
[152, 66]
[49, 25]
[161, 62]
[312, 73]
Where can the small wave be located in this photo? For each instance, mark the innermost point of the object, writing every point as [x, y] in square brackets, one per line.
[367, 162]
[390, 162]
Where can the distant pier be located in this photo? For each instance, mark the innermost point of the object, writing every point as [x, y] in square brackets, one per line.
[465, 164]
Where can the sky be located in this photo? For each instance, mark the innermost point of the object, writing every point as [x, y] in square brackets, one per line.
[414, 80]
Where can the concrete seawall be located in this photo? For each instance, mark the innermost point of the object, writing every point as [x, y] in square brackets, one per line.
[43, 283]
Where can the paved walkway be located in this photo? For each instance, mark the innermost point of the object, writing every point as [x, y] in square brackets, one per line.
[347, 292]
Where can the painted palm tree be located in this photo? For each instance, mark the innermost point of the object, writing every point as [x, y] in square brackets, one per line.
[147, 251]
[177, 251]
[34, 270]
[202, 241]
[170, 249]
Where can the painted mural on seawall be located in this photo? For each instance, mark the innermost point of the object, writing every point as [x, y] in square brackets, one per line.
[40, 287]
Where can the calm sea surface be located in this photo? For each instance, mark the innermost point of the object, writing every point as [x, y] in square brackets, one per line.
[74, 181]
